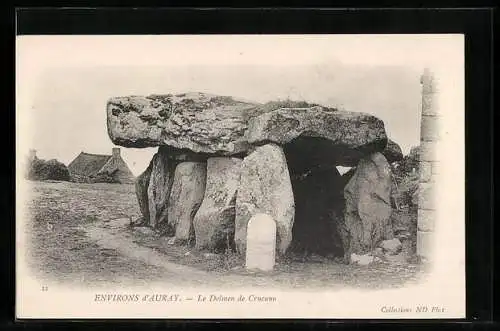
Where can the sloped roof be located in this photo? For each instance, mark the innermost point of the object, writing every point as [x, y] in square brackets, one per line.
[88, 164]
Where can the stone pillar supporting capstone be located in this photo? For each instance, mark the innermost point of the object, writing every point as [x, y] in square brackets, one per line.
[186, 194]
[429, 165]
[265, 188]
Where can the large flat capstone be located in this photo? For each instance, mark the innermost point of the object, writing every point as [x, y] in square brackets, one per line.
[224, 126]
[202, 123]
[392, 151]
[350, 129]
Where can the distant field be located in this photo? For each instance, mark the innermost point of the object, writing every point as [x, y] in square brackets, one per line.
[64, 215]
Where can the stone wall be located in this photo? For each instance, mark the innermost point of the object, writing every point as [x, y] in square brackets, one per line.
[429, 165]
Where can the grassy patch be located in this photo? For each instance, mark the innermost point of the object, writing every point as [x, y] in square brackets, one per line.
[59, 250]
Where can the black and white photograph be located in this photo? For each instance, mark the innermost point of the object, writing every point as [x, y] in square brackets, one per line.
[240, 176]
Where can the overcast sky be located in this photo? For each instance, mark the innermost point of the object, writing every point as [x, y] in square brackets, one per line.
[64, 81]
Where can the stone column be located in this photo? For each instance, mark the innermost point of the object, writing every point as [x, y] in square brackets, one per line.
[429, 166]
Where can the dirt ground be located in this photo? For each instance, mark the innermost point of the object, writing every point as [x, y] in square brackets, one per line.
[80, 234]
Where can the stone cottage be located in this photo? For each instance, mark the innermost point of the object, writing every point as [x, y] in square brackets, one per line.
[221, 160]
[95, 168]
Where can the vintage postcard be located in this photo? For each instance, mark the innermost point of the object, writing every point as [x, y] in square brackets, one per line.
[240, 176]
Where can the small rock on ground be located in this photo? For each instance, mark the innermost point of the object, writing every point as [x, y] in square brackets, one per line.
[392, 246]
[362, 259]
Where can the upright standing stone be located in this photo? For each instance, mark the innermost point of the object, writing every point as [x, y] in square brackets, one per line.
[429, 165]
[141, 191]
[368, 208]
[185, 198]
[265, 187]
[261, 243]
[214, 221]
[160, 183]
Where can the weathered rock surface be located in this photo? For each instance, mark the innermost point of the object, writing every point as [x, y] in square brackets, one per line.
[392, 152]
[223, 126]
[348, 131]
[160, 183]
[141, 191]
[265, 187]
[202, 123]
[368, 206]
[214, 221]
[187, 192]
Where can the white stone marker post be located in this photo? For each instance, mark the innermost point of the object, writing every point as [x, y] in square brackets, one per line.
[261, 243]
